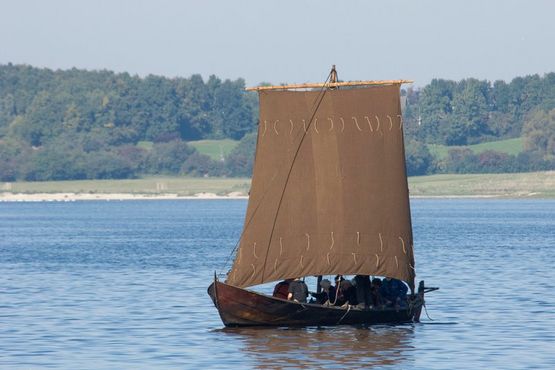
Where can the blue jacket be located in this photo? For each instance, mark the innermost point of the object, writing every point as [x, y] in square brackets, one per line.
[393, 289]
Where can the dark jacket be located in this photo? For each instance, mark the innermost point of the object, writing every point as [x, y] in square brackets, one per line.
[281, 290]
[299, 290]
[393, 290]
[323, 296]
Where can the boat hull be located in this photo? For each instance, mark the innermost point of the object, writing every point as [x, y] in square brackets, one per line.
[241, 307]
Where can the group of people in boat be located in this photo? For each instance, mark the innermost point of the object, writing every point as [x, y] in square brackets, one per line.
[359, 292]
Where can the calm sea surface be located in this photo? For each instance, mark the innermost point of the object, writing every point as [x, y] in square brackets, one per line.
[123, 285]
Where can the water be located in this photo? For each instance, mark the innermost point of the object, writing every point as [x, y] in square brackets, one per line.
[123, 285]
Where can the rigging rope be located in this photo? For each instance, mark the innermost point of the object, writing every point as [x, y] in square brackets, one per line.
[315, 107]
[342, 317]
[426, 310]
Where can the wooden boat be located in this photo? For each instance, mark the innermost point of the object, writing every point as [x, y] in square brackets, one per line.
[329, 196]
[240, 307]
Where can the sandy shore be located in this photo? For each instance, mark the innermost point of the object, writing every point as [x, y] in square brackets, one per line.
[70, 197]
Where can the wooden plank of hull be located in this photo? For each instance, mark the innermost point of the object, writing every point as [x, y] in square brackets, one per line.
[240, 307]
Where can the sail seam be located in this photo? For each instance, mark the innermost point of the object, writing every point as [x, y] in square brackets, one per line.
[356, 123]
[390, 122]
[369, 123]
[403, 245]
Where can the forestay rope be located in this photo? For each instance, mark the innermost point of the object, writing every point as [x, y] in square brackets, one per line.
[331, 76]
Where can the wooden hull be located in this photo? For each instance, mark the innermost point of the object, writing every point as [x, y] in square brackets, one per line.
[240, 307]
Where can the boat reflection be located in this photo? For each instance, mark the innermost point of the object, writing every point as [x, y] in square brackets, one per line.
[346, 346]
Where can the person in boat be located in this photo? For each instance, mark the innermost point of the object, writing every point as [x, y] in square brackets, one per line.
[375, 293]
[339, 296]
[362, 289]
[281, 290]
[298, 291]
[327, 295]
[394, 292]
[345, 292]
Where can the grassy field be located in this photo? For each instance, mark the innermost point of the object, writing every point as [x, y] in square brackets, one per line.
[535, 184]
[184, 186]
[509, 146]
[216, 149]
[146, 145]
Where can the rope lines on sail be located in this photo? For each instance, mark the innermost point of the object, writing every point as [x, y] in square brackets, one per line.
[315, 107]
[244, 229]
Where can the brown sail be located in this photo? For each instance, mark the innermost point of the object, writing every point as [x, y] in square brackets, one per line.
[329, 191]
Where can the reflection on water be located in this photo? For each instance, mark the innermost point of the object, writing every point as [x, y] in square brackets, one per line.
[344, 346]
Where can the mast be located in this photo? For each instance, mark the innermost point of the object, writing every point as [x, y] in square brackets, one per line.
[333, 75]
[333, 80]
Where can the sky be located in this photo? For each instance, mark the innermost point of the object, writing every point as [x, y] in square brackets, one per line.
[285, 41]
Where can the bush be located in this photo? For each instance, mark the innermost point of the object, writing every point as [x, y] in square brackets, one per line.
[54, 163]
[201, 165]
[167, 158]
[418, 158]
[107, 165]
[240, 161]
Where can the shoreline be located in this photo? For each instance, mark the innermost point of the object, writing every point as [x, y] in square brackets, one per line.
[73, 197]
[531, 185]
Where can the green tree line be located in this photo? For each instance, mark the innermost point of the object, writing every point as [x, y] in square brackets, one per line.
[77, 124]
[473, 111]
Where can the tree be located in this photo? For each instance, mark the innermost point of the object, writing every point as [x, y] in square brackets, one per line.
[434, 109]
[470, 112]
[201, 165]
[240, 161]
[418, 158]
[54, 163]
[13, 154]
[105, 164]
[167, 158]
[539, 133]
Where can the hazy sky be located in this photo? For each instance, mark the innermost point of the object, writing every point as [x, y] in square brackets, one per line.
[285, 41]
